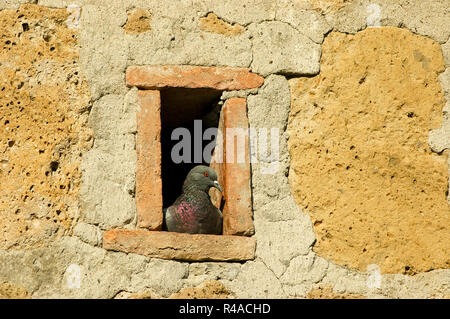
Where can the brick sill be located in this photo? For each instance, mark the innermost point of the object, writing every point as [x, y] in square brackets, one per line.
[180, 246]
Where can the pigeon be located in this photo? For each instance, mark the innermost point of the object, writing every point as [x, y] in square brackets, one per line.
[193, 212]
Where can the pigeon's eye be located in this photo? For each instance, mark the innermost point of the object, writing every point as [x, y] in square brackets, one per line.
[206, 174]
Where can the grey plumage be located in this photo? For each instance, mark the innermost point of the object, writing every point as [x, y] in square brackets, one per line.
[193, 212]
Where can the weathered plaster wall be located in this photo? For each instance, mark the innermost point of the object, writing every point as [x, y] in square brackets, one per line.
[278, 39]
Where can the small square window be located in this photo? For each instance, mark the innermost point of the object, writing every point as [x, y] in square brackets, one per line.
[172, 97]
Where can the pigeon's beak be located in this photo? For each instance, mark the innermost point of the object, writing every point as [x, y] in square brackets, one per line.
[216, 185]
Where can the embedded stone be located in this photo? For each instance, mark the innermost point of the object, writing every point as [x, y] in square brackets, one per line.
[210, 289]
[361, 166]
[280, 48]
[10, 291]
[138, 21]
[212, 23]
[327, 292]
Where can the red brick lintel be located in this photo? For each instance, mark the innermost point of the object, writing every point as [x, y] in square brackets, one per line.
[220, 78]
[180, 246]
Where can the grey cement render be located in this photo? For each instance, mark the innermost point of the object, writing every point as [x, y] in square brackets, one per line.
[285, 265]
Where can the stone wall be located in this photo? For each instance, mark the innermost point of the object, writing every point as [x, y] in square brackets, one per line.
[44, 104]
[361, 165]
[359, 91]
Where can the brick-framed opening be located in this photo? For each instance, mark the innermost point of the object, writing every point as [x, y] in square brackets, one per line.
[236, 242]
[192, 114]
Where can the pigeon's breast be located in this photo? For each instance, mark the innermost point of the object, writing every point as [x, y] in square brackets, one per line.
[186, 212]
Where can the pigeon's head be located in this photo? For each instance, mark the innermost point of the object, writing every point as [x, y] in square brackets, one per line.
[203, 178]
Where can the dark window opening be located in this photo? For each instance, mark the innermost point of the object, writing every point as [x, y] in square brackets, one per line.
[180, 107]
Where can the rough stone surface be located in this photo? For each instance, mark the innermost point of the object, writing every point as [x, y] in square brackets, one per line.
[212, 23]
[446, 52]
[424, 285]
[211, 289]
[268, 110]
[138, 21]
[325, 6]
[326, 292]
[279, 48]
[244, 13]
[439, 138]
[107, 195]
[310, 23]
[108, 180]
[90, 234]
[158, 77]
[346, 16]
[9, 291]
[8, 4]
[361, 165]
[101, 176]
[181, 246]
[43, 130]
[103, 50]
[238, 93]
[213, 271]
[173, 42]
[279, 242]
[345, 280]
[255, 280]
[130, 295]
[422, 17]
[164, 277]
[101, 273]
[303, 271]
[282, 230]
